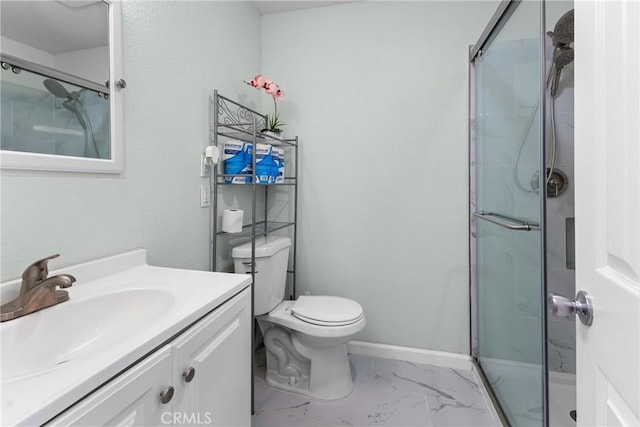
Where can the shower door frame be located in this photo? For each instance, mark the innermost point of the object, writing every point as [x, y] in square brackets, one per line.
[496, 23]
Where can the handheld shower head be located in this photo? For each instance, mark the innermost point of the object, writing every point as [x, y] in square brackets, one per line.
[73, 103]
[72, 106]
[56, 88]
[563, 33]
[563, 56]
[60, 91]
[561, 37]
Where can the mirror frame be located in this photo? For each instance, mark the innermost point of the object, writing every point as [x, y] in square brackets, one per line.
[18, 160]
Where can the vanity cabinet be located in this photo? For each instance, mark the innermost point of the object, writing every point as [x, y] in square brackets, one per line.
[203, 375]
[213, 369]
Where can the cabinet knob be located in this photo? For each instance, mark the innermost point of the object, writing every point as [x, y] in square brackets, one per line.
[166, 395]
[189, 374]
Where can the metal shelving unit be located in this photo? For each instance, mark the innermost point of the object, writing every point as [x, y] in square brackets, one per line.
[233, 120]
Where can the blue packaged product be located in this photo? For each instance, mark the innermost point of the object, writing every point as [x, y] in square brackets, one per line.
[266, 166]
[278, 156]
[237, 161]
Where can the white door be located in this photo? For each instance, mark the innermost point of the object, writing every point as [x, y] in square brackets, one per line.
[607, 183]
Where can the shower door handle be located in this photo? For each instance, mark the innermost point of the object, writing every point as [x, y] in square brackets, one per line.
[564, 307]
[506, 221]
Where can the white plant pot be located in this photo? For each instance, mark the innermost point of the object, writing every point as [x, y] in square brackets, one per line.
[278, 135]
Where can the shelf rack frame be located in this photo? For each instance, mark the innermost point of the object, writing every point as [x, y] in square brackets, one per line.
[230, 119]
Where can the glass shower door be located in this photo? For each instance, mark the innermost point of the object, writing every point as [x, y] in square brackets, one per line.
[507, 206]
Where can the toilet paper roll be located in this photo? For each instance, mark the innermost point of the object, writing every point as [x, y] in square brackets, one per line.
[232, 220]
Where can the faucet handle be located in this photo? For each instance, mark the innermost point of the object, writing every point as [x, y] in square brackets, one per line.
[37, 271]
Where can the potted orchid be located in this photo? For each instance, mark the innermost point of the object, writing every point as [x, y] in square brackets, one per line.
[260, 82]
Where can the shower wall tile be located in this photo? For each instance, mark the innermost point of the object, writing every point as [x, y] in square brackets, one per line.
[561, 281]
[564, 98]
[494, 176]
[509, 302]
[561, 331]
[564, 141]
[562, 344]
[555, 239]
[562, 206]
[527, 289]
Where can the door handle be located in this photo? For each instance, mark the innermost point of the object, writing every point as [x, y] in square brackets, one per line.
[506, 221]
[564, 307]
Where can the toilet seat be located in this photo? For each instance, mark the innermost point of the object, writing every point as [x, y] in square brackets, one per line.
[327, 310]
[282, 315]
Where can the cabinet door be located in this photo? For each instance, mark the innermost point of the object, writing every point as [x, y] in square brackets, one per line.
[132, 399]
[218, 349]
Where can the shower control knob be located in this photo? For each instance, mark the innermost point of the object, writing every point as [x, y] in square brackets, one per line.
[563, 307]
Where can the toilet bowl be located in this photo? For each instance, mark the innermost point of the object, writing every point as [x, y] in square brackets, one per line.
[306, 339]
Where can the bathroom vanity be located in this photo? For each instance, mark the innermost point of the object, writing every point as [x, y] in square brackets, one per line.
[134, 345]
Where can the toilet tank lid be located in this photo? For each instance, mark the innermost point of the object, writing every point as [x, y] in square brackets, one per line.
[264, 247]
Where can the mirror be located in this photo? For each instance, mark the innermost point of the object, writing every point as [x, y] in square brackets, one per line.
[59, 112]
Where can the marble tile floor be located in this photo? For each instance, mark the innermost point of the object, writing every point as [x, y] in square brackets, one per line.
[386, 393]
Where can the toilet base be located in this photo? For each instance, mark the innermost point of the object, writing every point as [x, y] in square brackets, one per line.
[322, 373]
[329, 377]
[292, 384]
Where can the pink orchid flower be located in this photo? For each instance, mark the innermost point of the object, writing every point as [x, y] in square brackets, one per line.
[261, 82]
[257, 81]
[270, 87]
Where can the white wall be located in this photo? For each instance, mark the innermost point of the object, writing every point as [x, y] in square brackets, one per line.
[175, 55]
[377, 92]
[91, 64]
[28, 53]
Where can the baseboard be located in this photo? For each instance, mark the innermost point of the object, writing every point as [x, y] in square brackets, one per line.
[411, 354]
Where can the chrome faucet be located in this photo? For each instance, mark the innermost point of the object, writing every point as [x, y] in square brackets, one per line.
[37, 291]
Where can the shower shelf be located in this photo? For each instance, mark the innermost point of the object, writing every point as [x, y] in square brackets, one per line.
[232, 120]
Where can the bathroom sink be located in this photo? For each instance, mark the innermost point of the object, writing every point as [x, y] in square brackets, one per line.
[120, 309]
[55, 336]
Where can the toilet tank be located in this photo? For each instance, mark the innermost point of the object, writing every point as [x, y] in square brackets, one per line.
[272, 258]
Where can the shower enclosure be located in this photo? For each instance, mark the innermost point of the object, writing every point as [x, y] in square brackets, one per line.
[521, 170]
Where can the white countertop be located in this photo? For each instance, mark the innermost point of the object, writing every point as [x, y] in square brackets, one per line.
[34, 399]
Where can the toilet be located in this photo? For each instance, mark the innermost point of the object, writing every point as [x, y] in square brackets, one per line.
[306, 339]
